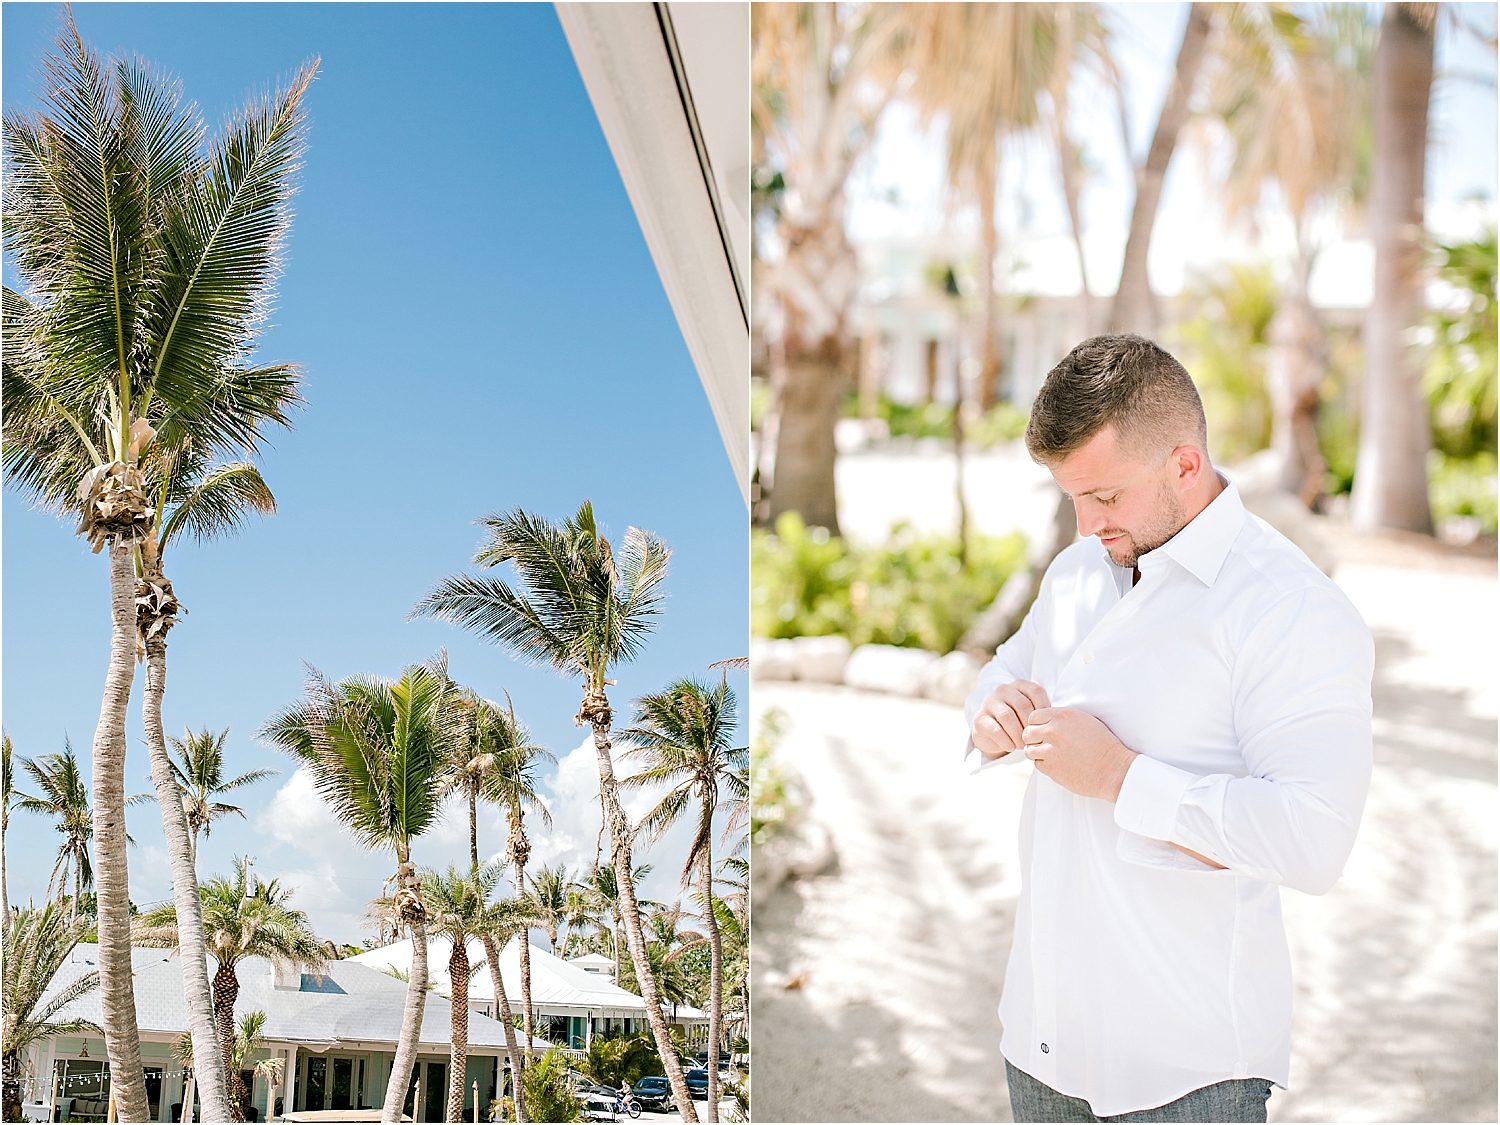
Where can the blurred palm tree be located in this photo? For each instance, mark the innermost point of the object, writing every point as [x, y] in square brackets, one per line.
[37, 944]
[242, 917]
[148, 258]
[683, 738]
[582, 609]
[821, 76]
[1292, 90]
[376, 750]
[981, 66]
[199, 774]
[1390, 475]
[1134, 307]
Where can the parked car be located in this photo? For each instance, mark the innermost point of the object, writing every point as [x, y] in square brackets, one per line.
[654, 1094]
[597, 1107]
[697, 1082]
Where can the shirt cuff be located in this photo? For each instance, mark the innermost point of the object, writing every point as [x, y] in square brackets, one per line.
[1150, 797]
[987, 763]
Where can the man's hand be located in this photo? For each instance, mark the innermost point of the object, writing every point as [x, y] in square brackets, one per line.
[1077, 751]
[1002, 717]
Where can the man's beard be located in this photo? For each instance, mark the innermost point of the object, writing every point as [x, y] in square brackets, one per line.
[1170, 518]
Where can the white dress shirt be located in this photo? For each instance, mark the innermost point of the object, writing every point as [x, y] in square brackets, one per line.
[1241, 676]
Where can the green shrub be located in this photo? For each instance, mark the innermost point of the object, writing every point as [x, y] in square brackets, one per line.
[1001, 423]
[1463, 487]
[548, 1095]
[771, 801]
[615, 1058]
[912, 591]
[1460, 380]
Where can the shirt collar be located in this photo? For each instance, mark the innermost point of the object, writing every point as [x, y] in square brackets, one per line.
[1202, 546]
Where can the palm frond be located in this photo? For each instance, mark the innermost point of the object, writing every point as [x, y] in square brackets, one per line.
[219, 504]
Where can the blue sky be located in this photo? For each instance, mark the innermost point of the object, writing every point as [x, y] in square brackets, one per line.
[481, 327]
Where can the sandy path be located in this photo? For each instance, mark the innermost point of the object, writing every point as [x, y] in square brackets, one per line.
[897, 957]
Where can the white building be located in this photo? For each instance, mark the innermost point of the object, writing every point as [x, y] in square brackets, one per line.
[336, 1035]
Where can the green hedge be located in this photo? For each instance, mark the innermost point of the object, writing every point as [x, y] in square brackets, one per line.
[911, 591]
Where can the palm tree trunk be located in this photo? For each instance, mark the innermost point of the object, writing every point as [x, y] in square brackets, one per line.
[1390, 476]
[122, 1040]
[1295, 363]
[715, 982]
[226, 992]
[458, 1050]
[191, 942]
[10, 1098]
[416, 998]
[1134, 307]
[596, 709]
[527, 1017]
[989, 304]
[492, 955]
[805, 452]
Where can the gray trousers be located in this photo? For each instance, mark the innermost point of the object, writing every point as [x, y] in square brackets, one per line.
[1240, 1099]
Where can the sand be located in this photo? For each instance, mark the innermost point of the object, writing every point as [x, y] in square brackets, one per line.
[876, 983]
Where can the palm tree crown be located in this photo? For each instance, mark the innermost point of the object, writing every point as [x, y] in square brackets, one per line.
[375, 749]
[682, 737]
[584, 608]
[199, 773]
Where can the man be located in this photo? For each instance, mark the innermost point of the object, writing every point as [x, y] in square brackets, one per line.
[1195, 696]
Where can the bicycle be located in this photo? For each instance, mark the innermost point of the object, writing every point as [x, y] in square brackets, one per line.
[629, 1105]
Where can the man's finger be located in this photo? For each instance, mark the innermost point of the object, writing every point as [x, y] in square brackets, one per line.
[1034, 692]
[1042, 715]
[1033, 734]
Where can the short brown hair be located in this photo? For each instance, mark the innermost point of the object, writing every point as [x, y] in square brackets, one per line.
[1124, 381]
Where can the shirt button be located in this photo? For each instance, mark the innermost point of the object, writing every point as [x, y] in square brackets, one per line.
[1088, 658]
[1044, 1049]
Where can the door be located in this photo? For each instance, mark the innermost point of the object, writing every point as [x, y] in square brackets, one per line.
[153, 1092]
[435, 1092]
[343, 1082]
[317, 1082]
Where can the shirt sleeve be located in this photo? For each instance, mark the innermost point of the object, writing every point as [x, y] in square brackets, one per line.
[1301, 698]
[1012, 661]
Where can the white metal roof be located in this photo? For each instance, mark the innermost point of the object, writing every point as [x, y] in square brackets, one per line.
[555, 983]
[353, 1007]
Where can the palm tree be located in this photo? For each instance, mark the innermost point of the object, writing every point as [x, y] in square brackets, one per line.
[982, 65]
[1292, 92]
[458, 906]
[8, 796]
[549, 898]
[375, 750]
[1134, 308]
[601, 904]
[683, 738]
[821, 76]
[583, 610]
[242, 917]
[147, 260]
[37, 944]
[470, 758]
[511, 784]
[199, 774]
[1390, 474]
[65, 795]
